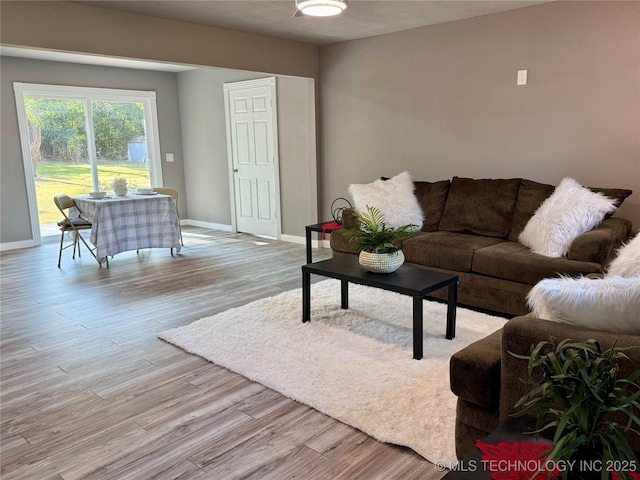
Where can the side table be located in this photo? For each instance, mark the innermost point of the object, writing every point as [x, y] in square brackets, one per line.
[320, 228]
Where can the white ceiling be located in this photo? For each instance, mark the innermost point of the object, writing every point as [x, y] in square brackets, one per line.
[274, 18]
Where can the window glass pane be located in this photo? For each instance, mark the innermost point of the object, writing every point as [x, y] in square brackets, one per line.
[58, 147]
[121, 145]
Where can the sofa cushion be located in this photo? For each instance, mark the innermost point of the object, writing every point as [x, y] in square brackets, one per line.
[530, 196]
[627, 261]
[450, 250]
[610, 304]
[432, 197]
[393, 197]
[483, 206]
[570, 211]
[618, 194]
[513, 261]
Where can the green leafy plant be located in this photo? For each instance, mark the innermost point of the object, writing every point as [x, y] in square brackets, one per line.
[373, 235]
[578, 390]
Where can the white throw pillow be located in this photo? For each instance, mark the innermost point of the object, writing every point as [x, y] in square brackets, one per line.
[627, 263]
[567, 213]
[610, 304]
[393, 197]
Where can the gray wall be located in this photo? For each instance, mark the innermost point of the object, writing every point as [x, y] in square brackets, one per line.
[205, 142]
[205, 148]
[74, 27]
[14, 213]
[441, 101]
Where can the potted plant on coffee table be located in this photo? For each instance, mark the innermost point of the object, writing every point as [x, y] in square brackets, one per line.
[578, 391]
[378, 243]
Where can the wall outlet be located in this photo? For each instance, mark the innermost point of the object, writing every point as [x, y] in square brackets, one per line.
[169, 157]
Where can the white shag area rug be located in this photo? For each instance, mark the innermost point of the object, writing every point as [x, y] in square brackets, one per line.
[354, 365]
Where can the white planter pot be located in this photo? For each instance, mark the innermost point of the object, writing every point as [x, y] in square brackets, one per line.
[120, 191]
[381, 262]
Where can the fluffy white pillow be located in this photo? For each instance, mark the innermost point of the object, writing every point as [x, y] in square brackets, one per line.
[627, 263]
[393, 197]
[610, 304]
[568, 212]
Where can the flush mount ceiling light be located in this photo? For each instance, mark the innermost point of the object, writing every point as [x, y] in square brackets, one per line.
[321, 8]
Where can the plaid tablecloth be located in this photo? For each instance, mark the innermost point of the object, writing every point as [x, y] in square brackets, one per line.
[131, 222]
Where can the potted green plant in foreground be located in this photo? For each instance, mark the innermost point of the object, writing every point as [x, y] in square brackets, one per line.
[578, 391]
[377, 243]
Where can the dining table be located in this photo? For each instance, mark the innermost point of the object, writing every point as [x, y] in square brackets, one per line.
[130, 222]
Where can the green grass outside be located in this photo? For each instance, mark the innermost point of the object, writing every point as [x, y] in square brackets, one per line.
[75, 180]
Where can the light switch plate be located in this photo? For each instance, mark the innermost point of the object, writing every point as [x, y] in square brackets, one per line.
[522, 77]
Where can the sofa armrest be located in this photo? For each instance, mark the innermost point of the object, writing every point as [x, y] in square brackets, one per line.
[600, 244]
[349, 219]
[520, 333]
[474, 372]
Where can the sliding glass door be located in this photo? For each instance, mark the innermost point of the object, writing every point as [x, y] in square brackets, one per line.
[76, 140]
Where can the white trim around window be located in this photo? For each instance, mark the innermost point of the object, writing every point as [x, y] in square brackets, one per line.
[87, 94]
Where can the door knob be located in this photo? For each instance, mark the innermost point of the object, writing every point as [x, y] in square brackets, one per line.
[235, 170]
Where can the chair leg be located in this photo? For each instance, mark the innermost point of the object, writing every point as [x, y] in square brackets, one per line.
[60, 254]
[88, 248]
[179, 226]
[75, 243]
[79, 252]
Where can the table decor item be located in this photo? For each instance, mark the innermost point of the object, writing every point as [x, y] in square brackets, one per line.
[575, 389]
[377, 243]
[120, 186]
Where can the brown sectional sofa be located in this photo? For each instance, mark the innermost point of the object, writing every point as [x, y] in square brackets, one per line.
[488, 380]
[471, 228]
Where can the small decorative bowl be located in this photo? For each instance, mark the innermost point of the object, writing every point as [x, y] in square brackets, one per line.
[98, 194]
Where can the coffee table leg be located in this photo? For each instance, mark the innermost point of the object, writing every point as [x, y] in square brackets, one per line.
[417, 328]
[451, 310]
[308, 243]
[306, 297]
[344, 294]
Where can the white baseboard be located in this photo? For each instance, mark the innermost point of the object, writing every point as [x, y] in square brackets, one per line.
[303, 241]
[283, 237]
[16, 245]
[211, 225]
[292, 239]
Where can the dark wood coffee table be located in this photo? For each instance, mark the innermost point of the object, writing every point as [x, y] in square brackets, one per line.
[411, 281]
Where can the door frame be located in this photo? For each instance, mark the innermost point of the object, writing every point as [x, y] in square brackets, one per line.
[87, 94]
[242, 85]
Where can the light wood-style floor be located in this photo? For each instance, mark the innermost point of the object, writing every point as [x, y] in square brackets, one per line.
[89, 392]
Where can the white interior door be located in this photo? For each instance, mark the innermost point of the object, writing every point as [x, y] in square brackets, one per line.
[252, 144]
